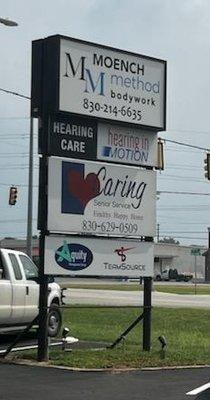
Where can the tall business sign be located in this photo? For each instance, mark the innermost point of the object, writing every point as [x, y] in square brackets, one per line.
[100, 109]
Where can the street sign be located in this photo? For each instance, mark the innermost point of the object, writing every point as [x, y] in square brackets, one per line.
[99, 198]
[67, 255]
[195, 252]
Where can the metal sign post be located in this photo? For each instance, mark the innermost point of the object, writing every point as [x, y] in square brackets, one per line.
[147, 307]
[43, 278]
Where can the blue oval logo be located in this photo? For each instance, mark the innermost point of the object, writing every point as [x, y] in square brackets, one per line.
[73, 256]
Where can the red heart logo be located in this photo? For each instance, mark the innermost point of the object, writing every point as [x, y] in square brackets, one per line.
[84, 189]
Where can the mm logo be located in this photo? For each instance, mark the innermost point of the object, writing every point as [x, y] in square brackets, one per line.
[73, 256]
[77, 70]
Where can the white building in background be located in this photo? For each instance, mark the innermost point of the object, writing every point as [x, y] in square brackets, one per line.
[165, 255]
[179, 257]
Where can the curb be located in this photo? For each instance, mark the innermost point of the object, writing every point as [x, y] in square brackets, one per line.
[106, 370]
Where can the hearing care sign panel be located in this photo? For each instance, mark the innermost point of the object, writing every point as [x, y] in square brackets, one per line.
[111, 84]
[71, 136]
[66, 255]
[99, 198]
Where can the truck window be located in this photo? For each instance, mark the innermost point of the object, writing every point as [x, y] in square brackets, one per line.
[31, 271]
[3, 267]
[15, 267]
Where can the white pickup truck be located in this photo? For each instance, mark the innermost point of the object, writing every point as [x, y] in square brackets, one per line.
[19, 294]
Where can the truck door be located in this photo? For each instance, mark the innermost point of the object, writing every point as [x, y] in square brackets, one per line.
[32, 288]
[5, 294]
[18, 291]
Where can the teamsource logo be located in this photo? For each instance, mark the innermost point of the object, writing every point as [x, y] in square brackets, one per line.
[121, 252]
[73, 256]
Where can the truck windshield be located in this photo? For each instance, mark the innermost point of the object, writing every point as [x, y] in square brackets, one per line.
[31, 271]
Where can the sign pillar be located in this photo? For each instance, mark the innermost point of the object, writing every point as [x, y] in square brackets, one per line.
[42, 354]
[147, 314]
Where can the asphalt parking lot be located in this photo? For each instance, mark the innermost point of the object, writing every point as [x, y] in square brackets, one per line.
[18, 382]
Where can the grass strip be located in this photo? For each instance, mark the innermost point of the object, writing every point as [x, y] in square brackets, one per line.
[186, 332]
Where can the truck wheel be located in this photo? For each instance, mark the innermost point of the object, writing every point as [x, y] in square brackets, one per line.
[158, 278]
[54, 320]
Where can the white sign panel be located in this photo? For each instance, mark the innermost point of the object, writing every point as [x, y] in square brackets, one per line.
[98, 257]
[100, 198]
[126, 145]
[111, 84]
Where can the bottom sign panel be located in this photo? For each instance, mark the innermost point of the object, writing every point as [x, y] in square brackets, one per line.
[67, 255]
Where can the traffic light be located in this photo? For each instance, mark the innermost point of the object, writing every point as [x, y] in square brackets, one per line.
[160, 155]
[12, 195]
[207, 166]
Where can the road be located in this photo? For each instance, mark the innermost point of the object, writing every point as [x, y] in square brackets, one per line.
[18, 382]
[132, 298]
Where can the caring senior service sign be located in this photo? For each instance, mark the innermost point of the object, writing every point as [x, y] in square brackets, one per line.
[92, 257]
[112, 84]
[99, 198]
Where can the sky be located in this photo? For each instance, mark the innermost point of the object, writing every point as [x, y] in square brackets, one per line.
[178, 32]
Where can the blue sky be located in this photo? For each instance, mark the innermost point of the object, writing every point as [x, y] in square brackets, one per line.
[178, 32]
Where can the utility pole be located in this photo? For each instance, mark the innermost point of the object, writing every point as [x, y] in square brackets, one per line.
[207, 260]
[30, 175]
[30, 192]
[158, 232]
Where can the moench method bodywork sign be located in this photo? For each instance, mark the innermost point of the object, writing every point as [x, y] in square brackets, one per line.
[100, 198]
[88, 79]
[66, 255]
[111, 84]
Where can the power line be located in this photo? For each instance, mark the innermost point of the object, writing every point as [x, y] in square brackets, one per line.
[17, 184]
[173, 192]
[181, 223]
[186, 145]
[11, 118]
[15, 94]
[14, 220]
[186, 131]
[163, 232]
